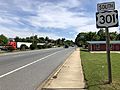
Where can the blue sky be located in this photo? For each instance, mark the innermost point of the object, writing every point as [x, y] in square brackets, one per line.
[52, 18]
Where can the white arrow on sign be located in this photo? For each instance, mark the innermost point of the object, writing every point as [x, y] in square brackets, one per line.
[107, 19]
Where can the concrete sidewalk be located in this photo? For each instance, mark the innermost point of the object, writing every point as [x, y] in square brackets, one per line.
[69, 76]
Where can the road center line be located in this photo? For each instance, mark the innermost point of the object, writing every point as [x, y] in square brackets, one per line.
[8, 73]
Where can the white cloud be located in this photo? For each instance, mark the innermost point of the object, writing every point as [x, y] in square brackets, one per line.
[52, 16]
[5, 20]
[70, 3]
[92, 28]
[114, 29]
[25, 5]
[87, 28]
[49, 15]
[12, 33]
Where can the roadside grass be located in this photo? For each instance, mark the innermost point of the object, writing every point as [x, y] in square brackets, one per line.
[1, 52]
[95, 70]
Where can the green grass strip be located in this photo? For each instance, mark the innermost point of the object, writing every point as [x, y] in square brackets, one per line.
[95, 70]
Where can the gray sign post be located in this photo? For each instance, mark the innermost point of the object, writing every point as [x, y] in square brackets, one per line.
[108, 56]
[107, 17]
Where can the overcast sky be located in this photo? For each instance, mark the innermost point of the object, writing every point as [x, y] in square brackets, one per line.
[52, 18]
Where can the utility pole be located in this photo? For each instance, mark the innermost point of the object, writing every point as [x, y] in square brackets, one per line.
[108, 56]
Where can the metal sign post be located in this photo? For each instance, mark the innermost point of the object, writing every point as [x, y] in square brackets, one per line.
[108, 56]
[107, 17]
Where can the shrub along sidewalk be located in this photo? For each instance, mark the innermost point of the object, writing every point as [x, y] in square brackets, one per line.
[95, 70]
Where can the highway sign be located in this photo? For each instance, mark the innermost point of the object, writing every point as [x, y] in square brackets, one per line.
[105, 6]
[107, 19]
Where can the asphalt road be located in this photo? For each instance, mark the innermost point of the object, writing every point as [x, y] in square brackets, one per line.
[27, 70]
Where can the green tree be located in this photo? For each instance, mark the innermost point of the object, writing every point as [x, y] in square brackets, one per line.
[101, 34]
[96, 37]
[80, 39]
[33, 46]
[28, 39]
[117, 37]
[46, 38]
[90, 36]
[17, 39]
[23, 40]
[3, 39]
[69, 42]
[113, 35]
[41, 40]
[59, 42]
[63, 39]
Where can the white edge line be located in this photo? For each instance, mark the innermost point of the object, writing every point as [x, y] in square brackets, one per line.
[21, 52]
[8, 73]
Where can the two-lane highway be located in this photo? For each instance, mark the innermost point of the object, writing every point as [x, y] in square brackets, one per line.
[27, 70]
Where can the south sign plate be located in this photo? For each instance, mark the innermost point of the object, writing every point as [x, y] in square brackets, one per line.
[107, 19]
[105, 6]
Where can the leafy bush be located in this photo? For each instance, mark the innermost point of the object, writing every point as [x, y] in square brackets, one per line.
[33, 46]
[44, 46]
[10, 48]
[39, 46]
[49, 46]
[58, 45]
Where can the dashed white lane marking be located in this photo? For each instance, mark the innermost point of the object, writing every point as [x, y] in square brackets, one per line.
[18, 55]
[8, 73]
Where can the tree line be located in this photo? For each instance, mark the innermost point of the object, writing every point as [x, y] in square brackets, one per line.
[35, 39]
[95, 36]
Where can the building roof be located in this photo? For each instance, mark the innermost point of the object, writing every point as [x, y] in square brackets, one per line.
[103, 42]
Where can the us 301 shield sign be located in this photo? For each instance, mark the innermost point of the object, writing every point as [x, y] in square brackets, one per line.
[107, 19]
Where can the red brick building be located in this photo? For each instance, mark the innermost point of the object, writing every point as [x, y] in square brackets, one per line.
[101, 45]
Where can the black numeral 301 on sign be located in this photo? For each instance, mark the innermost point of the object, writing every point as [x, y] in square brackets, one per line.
[107, 19]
